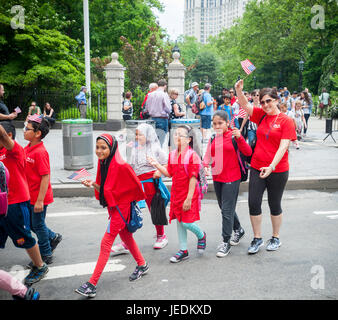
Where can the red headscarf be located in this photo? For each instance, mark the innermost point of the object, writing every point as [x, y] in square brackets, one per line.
[120, 183]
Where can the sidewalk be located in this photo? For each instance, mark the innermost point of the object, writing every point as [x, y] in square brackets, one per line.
[313, 166]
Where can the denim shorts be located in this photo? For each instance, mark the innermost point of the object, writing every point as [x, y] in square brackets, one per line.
[17, 226]
[205, 121]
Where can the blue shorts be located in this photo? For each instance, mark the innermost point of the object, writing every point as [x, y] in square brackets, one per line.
[17, 226]
[205, 121]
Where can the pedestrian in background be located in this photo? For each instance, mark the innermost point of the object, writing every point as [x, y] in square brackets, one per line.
[159, 108]
[4, 112]
[190, 97]
[49, 114]
[82, 102]
[324, 100]
[127, 108]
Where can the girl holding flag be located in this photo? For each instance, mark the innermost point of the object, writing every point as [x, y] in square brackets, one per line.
[112, 170]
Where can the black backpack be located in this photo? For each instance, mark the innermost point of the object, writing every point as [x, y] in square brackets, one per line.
[157, 208]
[254, 141]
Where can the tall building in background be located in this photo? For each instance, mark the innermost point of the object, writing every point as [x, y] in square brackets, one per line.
[204, 18]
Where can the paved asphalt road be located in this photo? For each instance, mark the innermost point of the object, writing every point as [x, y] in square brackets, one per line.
[305, 267]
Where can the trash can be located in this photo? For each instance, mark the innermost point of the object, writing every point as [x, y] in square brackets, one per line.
[77, 138]
[131, 126]
[194, 123]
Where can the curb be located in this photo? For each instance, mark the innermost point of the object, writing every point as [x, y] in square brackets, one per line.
[64, 190]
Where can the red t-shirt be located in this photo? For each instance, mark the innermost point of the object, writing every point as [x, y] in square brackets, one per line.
[182, 169]
[14, 160]
[37, 165]
[223, 157]
[269, 134]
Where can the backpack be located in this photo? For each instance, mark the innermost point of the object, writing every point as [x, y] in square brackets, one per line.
[126, 112]
[4, 180]
[254, 141]
[135, 219]
[242, 159]
[157, 208]
[201, 179]
[199, 104]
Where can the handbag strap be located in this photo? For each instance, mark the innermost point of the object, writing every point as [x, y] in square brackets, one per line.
[118, 209]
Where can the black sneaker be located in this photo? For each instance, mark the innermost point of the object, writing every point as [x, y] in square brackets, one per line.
[36, 274]
[180, 256]
[238, 235]
[54, 242]
[87, 289]
[46, 259]
[31, 294]
[223, 249]
[139, 272]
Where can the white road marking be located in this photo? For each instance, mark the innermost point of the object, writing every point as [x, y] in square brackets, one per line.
[333, 217]
[325, 212]
[75, 213]
[72, 270]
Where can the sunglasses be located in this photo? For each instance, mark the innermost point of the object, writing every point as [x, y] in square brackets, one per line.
[25, 129]
[263, 102]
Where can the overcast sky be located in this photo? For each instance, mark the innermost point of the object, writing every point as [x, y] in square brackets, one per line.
[172, 18]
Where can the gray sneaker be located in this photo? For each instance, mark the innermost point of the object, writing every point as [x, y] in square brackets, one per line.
[223, 249]
[255, 245]
[236, 238]
[273, 244]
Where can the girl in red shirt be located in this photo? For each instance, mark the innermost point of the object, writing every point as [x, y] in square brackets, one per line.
[112, 170]
[185, 202]
[269, 163]
[226, 174]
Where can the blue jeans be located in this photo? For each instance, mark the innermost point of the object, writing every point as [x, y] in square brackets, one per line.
[161, 126]
[42, 231]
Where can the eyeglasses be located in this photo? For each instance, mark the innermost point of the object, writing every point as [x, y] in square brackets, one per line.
[256, 95]
[25, 129]
[180, 136]
[263, 102]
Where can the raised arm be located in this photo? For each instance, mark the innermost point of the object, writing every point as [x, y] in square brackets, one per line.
[242, 100]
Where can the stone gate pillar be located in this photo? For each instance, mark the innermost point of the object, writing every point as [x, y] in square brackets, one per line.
[176, 76]
[115, 89]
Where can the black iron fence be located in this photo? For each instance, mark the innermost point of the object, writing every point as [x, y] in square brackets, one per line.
[63, 103]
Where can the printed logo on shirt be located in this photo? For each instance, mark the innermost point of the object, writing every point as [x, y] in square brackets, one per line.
[2, 157]
[276, 126]
[30, 160]
[20, 241]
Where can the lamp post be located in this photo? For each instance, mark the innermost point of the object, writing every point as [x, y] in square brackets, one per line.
[301, 68]
[176, 48]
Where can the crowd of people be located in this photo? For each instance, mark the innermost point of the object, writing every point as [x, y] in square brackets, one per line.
[30, 193]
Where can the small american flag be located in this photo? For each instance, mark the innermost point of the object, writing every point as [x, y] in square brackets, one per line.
[79, 174]
[241, 113]
[247, 66]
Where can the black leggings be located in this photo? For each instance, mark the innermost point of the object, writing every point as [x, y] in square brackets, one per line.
[275, 185]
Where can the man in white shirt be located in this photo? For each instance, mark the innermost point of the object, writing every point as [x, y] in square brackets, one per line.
[324, 99]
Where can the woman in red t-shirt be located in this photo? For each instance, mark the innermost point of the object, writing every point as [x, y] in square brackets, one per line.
[269, 163]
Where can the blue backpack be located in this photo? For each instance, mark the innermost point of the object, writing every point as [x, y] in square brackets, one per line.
[136, 217]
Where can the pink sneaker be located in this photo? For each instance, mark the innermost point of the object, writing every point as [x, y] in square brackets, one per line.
[161, 242]
[118, 249]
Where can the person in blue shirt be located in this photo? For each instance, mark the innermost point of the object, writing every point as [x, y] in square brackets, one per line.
[207, 112]
[226, 106]
[82, 102]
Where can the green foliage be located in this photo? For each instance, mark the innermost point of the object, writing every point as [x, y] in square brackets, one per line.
[37, 57]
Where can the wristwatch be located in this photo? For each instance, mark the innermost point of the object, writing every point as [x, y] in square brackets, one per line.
[272, 167]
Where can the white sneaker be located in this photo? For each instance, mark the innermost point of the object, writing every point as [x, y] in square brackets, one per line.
[161, 242]
[118, 249]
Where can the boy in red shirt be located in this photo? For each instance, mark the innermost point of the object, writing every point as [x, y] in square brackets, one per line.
[16, 224]
[38, 177]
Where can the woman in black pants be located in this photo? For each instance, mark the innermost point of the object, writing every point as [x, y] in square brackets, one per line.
[269, 163]
[306, 105]
[226, 174]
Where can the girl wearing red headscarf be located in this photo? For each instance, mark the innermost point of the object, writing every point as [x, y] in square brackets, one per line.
[109, 190]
